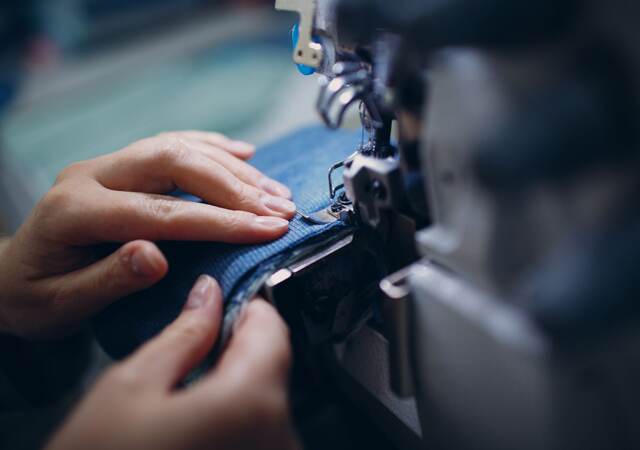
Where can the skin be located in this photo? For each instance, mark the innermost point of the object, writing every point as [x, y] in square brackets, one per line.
[51, 281]
[242, 403]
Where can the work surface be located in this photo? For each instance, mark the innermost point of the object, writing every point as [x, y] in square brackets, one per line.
[231, 74]
[227, 72]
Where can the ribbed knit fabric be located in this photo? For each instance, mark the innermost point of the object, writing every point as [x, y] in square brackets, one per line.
[300, 161]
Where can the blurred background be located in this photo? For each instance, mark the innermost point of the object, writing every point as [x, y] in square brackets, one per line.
[97, 75]
[79, 78]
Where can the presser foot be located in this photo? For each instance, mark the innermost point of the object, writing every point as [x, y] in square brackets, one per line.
[340, 210]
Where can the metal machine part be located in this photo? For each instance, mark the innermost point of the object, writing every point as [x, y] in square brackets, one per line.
[376, 185]
[396, 314]
[340, 306]
[307, 51]
[514, 174]
[487, 371]
[341, 275]
[332, 303]
[531, 159]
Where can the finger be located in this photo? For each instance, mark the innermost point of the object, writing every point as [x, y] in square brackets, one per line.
[239, 149]
[180, 164]
[83, 293]
[126, 216]
[259, 350]
[243, 171]
[169, 357]
[249, 385]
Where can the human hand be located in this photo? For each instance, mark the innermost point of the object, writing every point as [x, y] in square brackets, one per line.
[50, 275]
[240, 404]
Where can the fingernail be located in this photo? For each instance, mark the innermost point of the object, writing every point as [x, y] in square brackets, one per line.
[271, 222]
[144, 263]
[275, 188]
[279, 204]
[244, 146]
[201, 293]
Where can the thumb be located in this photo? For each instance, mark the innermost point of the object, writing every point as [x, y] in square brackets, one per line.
[135, 266]
[166, 359]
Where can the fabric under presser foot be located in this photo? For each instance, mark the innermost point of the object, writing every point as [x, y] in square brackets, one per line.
[300, 161]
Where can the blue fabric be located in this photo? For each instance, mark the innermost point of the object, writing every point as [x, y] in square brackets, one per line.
[301, 161]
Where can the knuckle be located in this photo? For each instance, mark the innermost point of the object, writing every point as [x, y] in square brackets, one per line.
[63, 212]
[172, 150]
[115, 276]
[237, 220]
[163, 209]
[57, 204]
[246, 196]
[57, 199]
[165, 214]
[70, 171]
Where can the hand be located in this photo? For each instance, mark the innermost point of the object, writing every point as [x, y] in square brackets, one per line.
[50, 278]
[241, 404]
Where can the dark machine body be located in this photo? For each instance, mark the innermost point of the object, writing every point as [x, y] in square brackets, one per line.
[488, 297]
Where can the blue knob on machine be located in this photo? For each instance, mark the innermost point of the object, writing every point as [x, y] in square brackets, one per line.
[295, 35]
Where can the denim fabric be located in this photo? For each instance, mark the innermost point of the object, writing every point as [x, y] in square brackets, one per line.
[301, 161]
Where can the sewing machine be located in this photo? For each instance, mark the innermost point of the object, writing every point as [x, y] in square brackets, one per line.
[487, 298]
